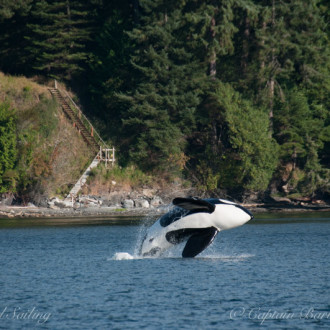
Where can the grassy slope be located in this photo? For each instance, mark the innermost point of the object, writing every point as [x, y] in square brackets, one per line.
[51, 154]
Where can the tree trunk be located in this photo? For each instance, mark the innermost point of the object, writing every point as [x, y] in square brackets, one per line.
[245, 45]
[136, 14]
[213, 57]
[271, 105]
[272, 79]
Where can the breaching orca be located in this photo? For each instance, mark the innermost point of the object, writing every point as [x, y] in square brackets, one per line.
[196, 221]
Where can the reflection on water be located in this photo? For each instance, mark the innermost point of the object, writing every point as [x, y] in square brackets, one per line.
[70, 222]
[260, 218]
[291, 217]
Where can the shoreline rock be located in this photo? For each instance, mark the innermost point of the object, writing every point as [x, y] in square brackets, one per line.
[21, 212]
[130, 204]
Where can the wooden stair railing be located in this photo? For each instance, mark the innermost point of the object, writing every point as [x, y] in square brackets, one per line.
[77, 122]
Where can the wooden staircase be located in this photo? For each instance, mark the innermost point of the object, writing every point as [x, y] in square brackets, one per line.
[88, 133]
[105, 155]
[75, 118]
[80, 183]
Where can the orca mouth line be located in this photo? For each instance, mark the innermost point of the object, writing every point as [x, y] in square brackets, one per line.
[218, 201]
[245, 210]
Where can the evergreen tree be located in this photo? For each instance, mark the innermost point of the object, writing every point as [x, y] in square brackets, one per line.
[233, 148]
[14, 16]
[60, 33]
[290, 48]
[109, 69]
[210, 30]
[230, 148]
[9, 8]
[190, 84]
[287, 54]
[161, 109]
[298, 130]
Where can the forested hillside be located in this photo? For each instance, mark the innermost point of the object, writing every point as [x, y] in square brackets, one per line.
[41, 153]
[231, 95]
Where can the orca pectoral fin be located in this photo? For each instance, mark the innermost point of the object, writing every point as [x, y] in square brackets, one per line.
[199, 241]
[195, 204]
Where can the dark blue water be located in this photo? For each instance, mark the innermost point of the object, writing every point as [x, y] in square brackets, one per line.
[272, 273]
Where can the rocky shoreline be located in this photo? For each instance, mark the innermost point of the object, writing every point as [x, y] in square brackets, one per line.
[95, 207]
[19, 212]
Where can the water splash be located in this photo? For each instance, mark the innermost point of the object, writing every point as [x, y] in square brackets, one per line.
[175, 255]
[122, 256]
[142, 230]
[147, 222]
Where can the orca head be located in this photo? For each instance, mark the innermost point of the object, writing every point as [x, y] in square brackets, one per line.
[229, 214]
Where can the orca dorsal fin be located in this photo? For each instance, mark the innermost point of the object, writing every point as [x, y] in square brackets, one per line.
[194, 204]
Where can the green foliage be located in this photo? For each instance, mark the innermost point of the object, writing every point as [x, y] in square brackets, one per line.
[8, 151]
[35, 126]
[294, 123]
[160, 111]
[208, 179]
[59, 33]
[240, 151]
[234, 94]
[297, 128]
[129, 175]
[255, 153]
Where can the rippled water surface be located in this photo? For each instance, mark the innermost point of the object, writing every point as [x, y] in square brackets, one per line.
[273, 272]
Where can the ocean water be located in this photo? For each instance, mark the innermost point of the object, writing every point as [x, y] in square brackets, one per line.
[273, 272]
